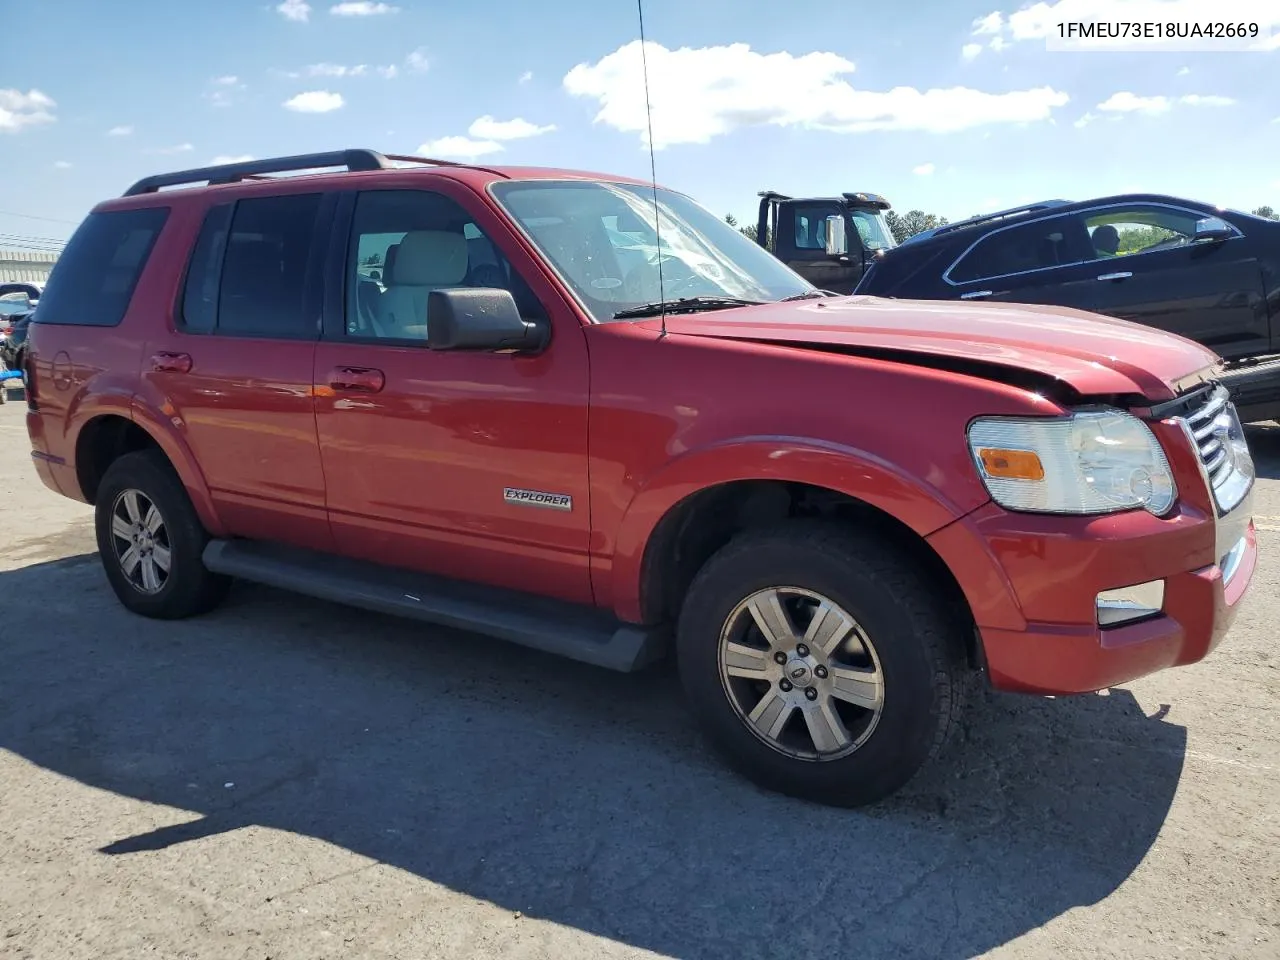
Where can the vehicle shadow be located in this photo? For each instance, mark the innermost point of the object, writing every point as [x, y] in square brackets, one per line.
[566, 792]
[1264, 444]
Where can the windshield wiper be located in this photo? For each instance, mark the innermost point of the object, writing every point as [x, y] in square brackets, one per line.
[809, 295]
[684, 305]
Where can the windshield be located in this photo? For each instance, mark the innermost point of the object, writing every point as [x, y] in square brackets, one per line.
[601, 238]
[873, 228]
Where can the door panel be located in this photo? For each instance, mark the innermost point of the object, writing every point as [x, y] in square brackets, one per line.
[800, 244]
[420, 447]
[235, 368]
[1210, 293]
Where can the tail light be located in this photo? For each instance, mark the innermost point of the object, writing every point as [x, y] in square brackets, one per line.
[29, 378]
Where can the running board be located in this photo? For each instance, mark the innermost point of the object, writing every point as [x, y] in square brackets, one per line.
[554, 626]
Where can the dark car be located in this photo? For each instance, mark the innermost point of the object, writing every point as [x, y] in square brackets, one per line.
[17, 304]
[1189, 268]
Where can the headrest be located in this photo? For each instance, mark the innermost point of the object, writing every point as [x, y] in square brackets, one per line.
[430, 258]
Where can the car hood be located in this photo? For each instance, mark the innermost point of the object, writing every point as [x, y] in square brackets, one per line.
[1093, 354]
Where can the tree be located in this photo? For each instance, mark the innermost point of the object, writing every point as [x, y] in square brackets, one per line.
[752, 233]
[373, 259]
[1266, 212]
[730, 219]
[912, 222]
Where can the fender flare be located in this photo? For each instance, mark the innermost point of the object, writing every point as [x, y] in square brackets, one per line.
[844, 469]
[170, 441]
[122, 402]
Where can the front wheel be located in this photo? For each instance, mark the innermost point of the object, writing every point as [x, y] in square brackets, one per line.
[820, 662]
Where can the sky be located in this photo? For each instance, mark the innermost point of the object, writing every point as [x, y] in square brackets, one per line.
[954, 107]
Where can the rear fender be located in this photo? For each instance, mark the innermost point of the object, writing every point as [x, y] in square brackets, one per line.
[844, 469]
[168, 437]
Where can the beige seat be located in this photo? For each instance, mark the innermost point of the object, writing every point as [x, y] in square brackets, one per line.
[427, 260]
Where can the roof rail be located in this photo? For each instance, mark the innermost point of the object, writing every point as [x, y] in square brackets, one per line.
[998, 215]
[352, 160]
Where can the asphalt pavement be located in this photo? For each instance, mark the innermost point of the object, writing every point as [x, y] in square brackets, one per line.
[288, 778]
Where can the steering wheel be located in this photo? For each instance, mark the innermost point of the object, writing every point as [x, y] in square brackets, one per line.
[677, 283]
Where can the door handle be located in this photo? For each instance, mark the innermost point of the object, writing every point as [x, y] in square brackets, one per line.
[357, 379]
[975, 294]
[1116, 276]
[171, 363]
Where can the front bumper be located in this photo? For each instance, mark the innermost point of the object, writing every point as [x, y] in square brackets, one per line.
[1033, 582]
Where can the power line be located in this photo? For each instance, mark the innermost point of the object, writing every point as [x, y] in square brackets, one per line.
[28, 216]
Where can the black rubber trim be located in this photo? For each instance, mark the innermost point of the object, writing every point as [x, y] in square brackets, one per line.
[553, 626]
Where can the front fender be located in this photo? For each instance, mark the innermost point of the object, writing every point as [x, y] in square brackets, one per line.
[844, 469]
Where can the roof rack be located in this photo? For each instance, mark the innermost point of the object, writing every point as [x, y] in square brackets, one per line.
[998, 215]
[351, 160]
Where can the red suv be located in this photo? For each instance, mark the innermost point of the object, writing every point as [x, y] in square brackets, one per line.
[586, 415]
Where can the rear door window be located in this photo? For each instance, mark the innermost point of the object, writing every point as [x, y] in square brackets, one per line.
[1040, 245]
[94, 279]
[263, 291]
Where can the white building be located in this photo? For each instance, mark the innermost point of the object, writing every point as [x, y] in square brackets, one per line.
[29, 266]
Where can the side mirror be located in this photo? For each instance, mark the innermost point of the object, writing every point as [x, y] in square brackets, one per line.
[1212, 229]
[837, 242]
[477, 318]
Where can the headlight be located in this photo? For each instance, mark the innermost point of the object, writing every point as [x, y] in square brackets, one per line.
[1097, 461]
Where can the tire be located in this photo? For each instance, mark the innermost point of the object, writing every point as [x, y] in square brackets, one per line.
[903, 656]
[187, 588]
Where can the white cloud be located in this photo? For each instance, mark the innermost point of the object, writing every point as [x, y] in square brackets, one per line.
[336, 70]
[525, 77]
[1205, 100]
[230, 158]
[463, 147]
[487, 128]
[61, 165]
[1087, 119]
[698, 94]
[970, 50]
[1040, 20]
[417, 61]
[388, 72]
[998, 43]
[296, 10]
[228, 81]
[172, 151]
[121, 131]
[1184, 71]
[1125, 102]
[361, 8]
[314, 101]
[924, 170]
[18, 109]
[991, 23]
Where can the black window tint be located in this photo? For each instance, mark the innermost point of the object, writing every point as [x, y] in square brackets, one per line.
[1033, 246]
[406, 243]
[94, 279]
[200, 296]
[264, 269]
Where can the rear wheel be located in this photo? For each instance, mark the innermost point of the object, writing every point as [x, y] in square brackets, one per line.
[151, 540]
[820, 662]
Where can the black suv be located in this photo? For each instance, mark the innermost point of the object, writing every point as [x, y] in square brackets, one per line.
[1208, 274]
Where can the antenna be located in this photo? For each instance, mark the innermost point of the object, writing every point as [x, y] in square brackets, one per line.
[653, 168]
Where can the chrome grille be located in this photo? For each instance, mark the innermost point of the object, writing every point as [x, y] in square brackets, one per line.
[1219, 438]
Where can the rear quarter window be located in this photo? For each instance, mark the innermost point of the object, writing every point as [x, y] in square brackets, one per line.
[94, 279]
